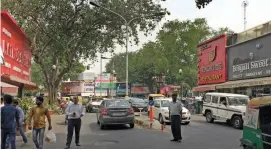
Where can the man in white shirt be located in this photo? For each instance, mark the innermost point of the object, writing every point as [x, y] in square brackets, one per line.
[175, 113]
[74, 112]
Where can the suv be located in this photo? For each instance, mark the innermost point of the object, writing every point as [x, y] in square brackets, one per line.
[225, 106]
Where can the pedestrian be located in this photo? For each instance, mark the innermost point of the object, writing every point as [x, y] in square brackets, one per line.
[175, 113]
[8, 124]
[74, 112]
[38, 114]
[21, 115]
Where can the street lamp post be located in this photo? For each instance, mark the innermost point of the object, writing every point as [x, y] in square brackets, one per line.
[127, 24]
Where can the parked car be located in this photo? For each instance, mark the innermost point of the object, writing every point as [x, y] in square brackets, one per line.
[115, 112]
[93, 105]
[161, 112]
[138, 103]
[225, 106]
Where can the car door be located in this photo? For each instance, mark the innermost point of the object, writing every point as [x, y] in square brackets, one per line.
[222, 108]
[214, 105]
[156, 110]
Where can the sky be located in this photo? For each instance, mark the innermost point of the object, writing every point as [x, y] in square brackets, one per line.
[219, 13]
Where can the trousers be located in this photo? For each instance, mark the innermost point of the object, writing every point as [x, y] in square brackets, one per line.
[176, 127]
[73, 124]
[9, 134]
[38, 136]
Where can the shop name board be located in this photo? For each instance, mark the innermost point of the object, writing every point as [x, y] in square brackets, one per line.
[252, 69]
[16, 54]
[210, 68]
[211, 77]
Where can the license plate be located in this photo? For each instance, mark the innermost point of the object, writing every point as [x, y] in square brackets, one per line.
[118, 114]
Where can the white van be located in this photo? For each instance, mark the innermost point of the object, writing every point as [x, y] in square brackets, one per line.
[225, 106]
[161, 112]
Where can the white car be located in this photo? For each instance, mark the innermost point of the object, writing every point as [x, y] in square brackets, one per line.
[225, 106]
[161, 112]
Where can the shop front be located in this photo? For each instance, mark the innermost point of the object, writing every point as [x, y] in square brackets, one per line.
[212, 69]
[249, 67]
[15, 55]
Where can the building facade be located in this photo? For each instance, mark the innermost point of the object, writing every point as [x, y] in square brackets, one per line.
[15, 55]
[247, 64]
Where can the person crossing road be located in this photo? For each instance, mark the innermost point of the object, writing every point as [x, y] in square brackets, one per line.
[175, 113]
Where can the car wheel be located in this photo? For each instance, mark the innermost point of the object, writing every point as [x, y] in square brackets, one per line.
[161, 119]
[132, 125]
[209, 117]
[186, 123]
[237, 122]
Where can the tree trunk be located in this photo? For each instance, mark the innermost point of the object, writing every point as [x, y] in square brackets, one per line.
[52, 93]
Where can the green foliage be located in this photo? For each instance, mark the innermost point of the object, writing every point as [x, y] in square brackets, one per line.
[26, 103]
[202, 3]
[63, 31]
[175, 48]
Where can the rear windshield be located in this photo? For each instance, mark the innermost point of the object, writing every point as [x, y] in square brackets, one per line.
[116, 103]
[138, 100]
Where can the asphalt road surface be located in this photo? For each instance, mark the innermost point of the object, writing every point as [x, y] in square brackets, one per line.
[197, 135]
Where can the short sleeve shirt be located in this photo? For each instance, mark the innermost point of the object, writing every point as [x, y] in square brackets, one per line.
[175, 108]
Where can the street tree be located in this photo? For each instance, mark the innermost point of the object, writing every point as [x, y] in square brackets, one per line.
[175, 48]
[64, 32]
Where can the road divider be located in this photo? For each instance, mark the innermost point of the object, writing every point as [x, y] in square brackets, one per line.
[145, 122]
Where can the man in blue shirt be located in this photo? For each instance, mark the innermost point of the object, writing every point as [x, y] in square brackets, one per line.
[9, 113]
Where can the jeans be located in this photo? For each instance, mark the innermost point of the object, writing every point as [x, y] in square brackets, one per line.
[38, 135]
[21, 130]
[8, 135]
[73, 124]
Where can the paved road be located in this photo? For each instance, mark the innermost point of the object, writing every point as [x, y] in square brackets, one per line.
[198, 134]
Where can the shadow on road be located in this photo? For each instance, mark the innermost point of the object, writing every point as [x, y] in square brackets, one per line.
[95, 127]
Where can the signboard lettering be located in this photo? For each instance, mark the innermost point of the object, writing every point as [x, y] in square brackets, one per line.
[212, 77]
[262, 64]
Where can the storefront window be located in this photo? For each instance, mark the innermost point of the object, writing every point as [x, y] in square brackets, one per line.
[261, 91]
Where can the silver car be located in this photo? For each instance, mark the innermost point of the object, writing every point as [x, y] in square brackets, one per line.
[115, 112]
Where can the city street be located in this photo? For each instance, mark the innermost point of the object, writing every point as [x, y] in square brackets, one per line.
[198, 134]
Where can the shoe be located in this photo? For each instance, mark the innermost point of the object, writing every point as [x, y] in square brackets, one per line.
[78, 144]
[67, 147]
[174, 140]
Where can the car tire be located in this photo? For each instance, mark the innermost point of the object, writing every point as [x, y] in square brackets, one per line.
[209, 117]
[237, 122]
[160, 118]
[186, 123]
[132, 125]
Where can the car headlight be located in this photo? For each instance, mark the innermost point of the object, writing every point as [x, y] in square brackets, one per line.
[188, 113]
[166, 112]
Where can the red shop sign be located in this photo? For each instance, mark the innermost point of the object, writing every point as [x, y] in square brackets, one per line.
[212, 61]
[15, 47]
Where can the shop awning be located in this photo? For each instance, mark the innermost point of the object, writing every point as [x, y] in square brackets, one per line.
[202, 88]
[244, 83]
[6, 85]
[28, 85]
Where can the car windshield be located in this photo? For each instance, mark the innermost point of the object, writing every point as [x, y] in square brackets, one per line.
[159, 97]
[116, 103]
[138, 101]
[164, 103]
[238, 101]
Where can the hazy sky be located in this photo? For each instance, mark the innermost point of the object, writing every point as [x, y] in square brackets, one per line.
[219, 13]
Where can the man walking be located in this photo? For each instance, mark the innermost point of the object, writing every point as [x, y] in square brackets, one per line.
[21, 115]
[38, 115]
[8, 124]
[74, 112]
[21, 130]
[175, 113]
